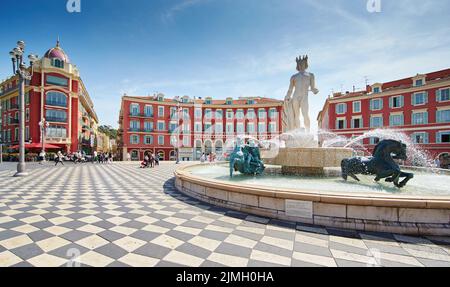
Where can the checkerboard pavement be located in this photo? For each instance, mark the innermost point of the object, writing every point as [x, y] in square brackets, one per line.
[120, 215]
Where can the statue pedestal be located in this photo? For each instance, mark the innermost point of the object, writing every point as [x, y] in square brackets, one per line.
[309, 161]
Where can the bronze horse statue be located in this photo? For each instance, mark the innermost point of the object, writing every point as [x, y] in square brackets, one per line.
[381, 164]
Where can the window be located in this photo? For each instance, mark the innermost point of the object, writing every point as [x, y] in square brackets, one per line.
[219, 128]
[161, 140]
[250, 128]
[172, 127]
[208, 128]
[419, 98]
[148, 126]
[262, 128]
[272, 127]
[148, 110]
[419, 83]
[198, 113]
[219, 114]
[341, 124]
[58, 63]
[56, 99]
[148, 139]
[230, 128]
[16, 134]
[173, 113]
[208, 114]
[420, 138]
[262, 113]
[161, 112]
[208, 101]
[161, 126]
[134, 126]
[186, 114]
[57, 81]
[443, 116]
[396, 102]
[186, 128]
[56, 116]
[240, 128]
[374, 140]
[186, 141]
[273, 113]
[230, 114]
[357, 107]
[376, 121]
[376, 90]
[420, 118]
[27, 115]
[198, 127]
[251, 114]
[240, 114]
[376, 104]
[396, 120]
[56, 131]
[357, 123]
[341, 109]
[443, 95]
[134, 139]
[443, 137]
[134, 109]
[229, 101]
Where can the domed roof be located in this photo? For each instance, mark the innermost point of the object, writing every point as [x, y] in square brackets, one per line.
[57, 53]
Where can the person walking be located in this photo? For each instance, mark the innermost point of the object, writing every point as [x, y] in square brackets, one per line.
[59, 158]
[203, 158]
[41, 157]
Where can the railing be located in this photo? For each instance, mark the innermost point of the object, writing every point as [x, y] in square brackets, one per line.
[56, 120]
[139, 115]
[56, 104]
[133, 130]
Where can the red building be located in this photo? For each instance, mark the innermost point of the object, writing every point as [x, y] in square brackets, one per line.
[57, 94]
[153, 124]
[418, 106]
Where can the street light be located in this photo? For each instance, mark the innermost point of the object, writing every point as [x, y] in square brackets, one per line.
[44, 125]
[178, 130]
[20, 69]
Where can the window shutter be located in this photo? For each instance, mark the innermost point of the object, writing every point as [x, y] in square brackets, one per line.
[402, 101]
[381, 104]
[426, 97]
[426, 138]
[438, 95]
[391, 102]
[371, 105]
[438, 137]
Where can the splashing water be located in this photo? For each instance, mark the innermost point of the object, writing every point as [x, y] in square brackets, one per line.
[416, 155]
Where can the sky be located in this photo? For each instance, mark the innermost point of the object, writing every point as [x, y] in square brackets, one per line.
[230, 48]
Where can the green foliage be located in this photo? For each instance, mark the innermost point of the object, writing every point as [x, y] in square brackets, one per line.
[109, 131]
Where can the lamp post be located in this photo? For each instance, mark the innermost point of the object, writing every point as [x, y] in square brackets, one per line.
[20, 69]
[44, 125]
[178, 131]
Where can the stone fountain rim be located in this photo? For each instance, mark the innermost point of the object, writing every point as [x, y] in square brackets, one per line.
[362, 199]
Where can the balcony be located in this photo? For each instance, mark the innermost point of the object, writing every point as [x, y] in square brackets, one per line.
[56, 120]
[133, 130]
[56, 104]
[138, 115]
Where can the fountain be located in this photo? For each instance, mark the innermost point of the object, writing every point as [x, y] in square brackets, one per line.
[302, 182]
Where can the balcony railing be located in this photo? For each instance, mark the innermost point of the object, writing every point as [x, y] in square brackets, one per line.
[56, 104]
[139, 115]
[134, 130]
[56, 120]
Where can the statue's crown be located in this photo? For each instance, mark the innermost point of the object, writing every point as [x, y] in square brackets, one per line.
[302, 59]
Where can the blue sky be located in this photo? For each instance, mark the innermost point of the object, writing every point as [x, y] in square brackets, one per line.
[235, 48]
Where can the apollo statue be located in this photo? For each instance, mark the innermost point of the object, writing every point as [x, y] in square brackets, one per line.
[297, 99]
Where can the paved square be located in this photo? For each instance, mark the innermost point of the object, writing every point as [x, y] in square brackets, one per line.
[120, 215]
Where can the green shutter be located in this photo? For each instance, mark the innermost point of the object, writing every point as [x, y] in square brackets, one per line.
[438, 95]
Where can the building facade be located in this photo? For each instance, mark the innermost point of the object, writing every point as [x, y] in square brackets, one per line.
[57, 94]
[418, 106]
[195, 126]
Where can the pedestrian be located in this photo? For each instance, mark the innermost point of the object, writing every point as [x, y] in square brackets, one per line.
[156, 160]
[128, 157]
[59, 158]
[41, 157]
[203, 158]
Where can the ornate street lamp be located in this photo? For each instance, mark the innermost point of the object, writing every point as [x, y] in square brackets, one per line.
[44, 126]
[20, 69]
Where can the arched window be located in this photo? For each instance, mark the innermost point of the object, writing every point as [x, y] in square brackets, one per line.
[58, 63]
[56, 99]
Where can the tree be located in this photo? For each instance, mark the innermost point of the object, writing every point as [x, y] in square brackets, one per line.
[109, 131]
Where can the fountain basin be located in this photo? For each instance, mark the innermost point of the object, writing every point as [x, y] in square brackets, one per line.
[418, 214]
[309, 161]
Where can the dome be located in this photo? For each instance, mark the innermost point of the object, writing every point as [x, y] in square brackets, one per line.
[57, 53]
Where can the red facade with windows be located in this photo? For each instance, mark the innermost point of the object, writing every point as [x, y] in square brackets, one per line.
[187, 120]
[418, 106]
[54, 93]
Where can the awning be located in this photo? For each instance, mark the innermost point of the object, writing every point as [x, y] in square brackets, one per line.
[37, 146]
